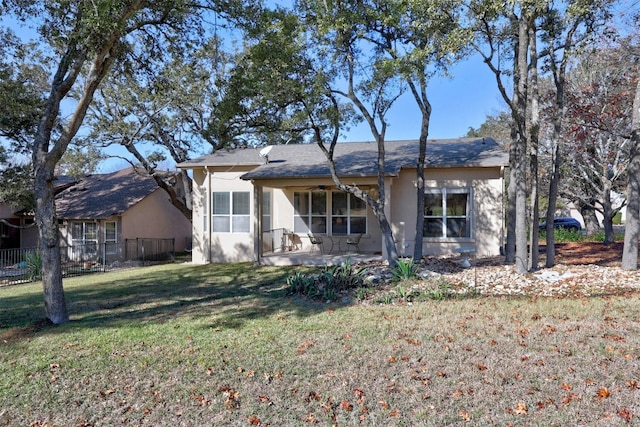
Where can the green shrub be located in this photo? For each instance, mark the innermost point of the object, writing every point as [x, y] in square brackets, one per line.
[407, 295]
[404, 269]
[563, 235]
[343, 276]
[362, 293]
[34, 265]
[300, 283]
[441, 291]
[328, 283]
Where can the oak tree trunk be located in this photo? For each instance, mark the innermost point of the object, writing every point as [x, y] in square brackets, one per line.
[632, 225]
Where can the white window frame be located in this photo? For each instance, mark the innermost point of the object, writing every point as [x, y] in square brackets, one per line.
[111, 243]
[348, 215]
[468, 217]
[89, 246]
[230, 212]
[307, 218]
[267, 208]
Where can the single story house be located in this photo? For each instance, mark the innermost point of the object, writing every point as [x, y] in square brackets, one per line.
[247, 199]
[17, 227]
[107, 209]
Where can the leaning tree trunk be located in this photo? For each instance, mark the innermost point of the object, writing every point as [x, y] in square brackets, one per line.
[632, 226]
[47, 153]
[420, 95]
[54, 299]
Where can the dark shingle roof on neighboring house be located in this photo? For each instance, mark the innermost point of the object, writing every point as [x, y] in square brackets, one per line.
[354, 159]
[104, 195]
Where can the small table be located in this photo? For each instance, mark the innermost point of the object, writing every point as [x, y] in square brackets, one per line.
[338, 239]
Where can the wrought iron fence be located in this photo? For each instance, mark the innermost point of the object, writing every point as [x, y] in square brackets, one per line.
[24, 265]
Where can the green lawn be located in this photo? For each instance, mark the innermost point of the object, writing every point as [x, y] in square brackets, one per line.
[222, 345]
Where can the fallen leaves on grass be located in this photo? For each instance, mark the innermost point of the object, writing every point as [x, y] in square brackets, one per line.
[519, 409]
[302, 348]
[633, 384]
[202, 401]
[464, 415]
[625, 414]
[346, 405]
[603, 393]
[265, 399]
[231, 395]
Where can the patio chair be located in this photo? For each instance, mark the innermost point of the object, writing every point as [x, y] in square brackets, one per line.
[354, 241]
[315, 242]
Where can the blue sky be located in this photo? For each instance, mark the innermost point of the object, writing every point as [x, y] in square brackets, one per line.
[459, 102]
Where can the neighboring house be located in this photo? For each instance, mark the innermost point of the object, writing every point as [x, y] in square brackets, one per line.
[242, 199]
[110, 208]
[17, 228]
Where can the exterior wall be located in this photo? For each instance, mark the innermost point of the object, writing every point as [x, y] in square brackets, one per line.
[25, 237]
[29, 236]
[219, 247]
[155, 217]
[486, 205]
[6, 211]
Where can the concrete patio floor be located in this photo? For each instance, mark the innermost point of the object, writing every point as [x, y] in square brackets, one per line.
[316, 258]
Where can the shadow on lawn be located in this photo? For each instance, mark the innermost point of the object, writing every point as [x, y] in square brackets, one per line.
[230, 294]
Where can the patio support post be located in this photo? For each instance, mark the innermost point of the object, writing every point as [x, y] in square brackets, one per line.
[208, 222]
[257, 224]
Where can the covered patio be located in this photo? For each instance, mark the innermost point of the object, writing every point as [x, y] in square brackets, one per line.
[316, 258]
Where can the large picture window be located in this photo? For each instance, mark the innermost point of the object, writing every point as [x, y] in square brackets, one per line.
[310, 212]
[231, 212]
[447, 213]
[348, 214]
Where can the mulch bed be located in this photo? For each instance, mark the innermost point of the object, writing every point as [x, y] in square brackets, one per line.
[577, 253]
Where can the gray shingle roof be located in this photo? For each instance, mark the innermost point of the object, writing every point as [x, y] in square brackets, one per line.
[356, 158]
[103, 195]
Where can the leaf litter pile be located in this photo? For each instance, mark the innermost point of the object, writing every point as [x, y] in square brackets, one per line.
[260, 359]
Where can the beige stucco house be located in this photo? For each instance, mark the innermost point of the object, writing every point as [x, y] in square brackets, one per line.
[17, 227]
[113, 207]
[249, 203]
